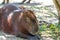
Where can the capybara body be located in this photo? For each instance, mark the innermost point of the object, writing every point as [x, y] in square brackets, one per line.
[20, 22]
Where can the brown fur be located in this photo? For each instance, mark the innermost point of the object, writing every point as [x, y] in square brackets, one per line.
[18, 21]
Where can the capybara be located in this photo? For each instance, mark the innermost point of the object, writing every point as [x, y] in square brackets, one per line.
[19, 21]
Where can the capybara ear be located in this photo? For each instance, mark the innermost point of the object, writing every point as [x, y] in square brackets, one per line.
[22, 7]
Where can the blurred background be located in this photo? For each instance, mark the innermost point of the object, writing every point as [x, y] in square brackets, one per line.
[47, 16]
